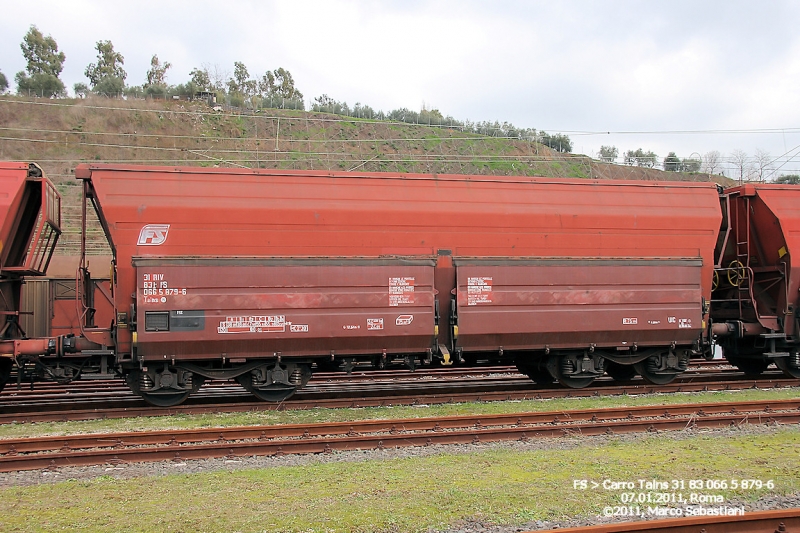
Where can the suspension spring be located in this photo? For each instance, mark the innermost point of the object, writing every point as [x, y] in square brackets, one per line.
[297, 376]
[146, 382]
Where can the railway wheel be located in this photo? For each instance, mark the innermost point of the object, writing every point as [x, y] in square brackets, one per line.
[277, 383]
[790, 365]
[536, 371]
[164, 388]
[5, 371]
[619, 371]
[750, 366]
[663, 368]
[574, 370]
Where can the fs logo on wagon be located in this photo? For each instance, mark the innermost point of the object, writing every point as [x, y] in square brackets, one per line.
[153, 234]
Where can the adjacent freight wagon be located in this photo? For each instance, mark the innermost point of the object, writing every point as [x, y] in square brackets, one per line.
[264, 275]
[757, 281]
[30, 214]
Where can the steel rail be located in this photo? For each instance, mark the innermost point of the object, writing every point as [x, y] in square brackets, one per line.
[236, 400]
[28, 445]
[45, 388]
[85, 450]
[777, 521]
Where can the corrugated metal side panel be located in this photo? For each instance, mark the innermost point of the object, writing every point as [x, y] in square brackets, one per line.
[36, 299]
[219, 307]
[573, 304]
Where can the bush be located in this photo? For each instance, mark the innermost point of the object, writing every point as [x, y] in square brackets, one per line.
[40, 84]
[110, 86]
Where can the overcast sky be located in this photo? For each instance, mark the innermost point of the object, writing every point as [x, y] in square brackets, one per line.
[636, 69]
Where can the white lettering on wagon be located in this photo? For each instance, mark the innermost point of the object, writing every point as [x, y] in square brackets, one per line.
[479, 290]
[404, 320]
[401, 291]
[630, 321]
[253, 324]
[154, 284]
[684, 323]
[153, 234]
[374, 324]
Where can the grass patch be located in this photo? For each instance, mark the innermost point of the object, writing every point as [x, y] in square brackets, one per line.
[376, 413]
[496, 485]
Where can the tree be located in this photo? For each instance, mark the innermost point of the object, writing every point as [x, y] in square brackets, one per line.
[241, 83]
[608, 153]
[558, 142]
[640, 158]
[156, 77]
[691, 164]
[3, 83]
[107, 75]
[44, 65]
[763, 164]
[789, 179]
[279, 84]
[201, 79]
[672, 163]
[741, 163]
[217, 76]
[326, 104]
[711, 162]
[81, 89]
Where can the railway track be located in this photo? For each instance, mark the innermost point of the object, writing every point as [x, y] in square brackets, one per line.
[179, 445]
[226, 397]
[40, 389]
[781, 521]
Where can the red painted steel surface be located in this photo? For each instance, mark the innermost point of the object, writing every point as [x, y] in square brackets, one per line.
[609, 303]
[30, 208]
[783, 204]
[247, 308]
[766, 233]
[65, 319]
[192, 212]
[13, 177]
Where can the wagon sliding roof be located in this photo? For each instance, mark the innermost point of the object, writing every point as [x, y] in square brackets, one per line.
[244, 212]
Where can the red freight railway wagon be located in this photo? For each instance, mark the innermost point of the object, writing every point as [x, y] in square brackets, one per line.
[257, 274]
[756, 284]
[30, 215]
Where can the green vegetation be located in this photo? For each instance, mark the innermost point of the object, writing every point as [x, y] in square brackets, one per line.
[640, 158]
[496, 485]
[376, 413]
[789, 179]
[44, 64]
[107, 75]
